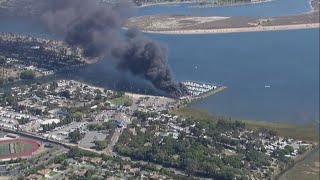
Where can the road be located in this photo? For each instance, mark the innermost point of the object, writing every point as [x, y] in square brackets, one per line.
[113, 141]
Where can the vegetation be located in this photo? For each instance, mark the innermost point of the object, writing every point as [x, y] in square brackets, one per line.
[77, 115]
[301, 132]
[143, 116]
[302, 149]
[23, 121]
[258, 158]
[65, 93]
[75, 136]
[58, 159]
[307, 169]
[19, 147]
[195, 156]
[104, 126]
[27, 74]
[52, 173]
[100, 145]
[123, 100]
[8, 99]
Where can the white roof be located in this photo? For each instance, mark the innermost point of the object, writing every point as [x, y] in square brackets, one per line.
[50, 121]
[94, 107]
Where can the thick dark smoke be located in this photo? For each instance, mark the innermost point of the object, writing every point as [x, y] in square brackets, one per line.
[96, 28]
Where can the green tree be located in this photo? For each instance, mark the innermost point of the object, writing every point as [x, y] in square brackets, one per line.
[289, 148]
[27, 74]
[77, 116]
[2, 61]
[10, 99]
[65, 93]
[11, 78]
[233, 161]
[100, 145]
[75, 136]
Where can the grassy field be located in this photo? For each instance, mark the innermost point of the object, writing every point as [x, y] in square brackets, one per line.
[52, 173]
[121, 100]
[22, 147]
[301, 132]
[19, 147]
[4, 149]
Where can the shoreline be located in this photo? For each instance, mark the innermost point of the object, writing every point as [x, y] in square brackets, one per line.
[203, 6]
[164, 3]
[238, 30]
[229, 5]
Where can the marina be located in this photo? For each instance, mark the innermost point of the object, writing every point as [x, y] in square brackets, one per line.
[198, 88]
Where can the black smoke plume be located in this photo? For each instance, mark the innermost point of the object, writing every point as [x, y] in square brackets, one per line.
[96, 28]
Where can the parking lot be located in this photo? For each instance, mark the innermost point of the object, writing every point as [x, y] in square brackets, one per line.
[91, 136]
[61, 133]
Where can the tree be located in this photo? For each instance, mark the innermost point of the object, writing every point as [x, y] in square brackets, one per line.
[65, 93]
[53, 86]
[258, 157]
[11, 78]
[75, 136]
[289, 148]
[27, 74]
[40, 93]
[100, 145]
[77, 93]
[191, 166]
[128, 103]
[77, 116]
[10, 99]
[90, 173]
[34, 87]
[2, 60]
[97, 91]
[233, 161]
[98, 97]
[302, 149]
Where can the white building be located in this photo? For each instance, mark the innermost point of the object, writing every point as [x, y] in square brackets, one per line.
[50, 121]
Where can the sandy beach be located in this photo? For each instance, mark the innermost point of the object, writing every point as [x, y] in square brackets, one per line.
[237, 30]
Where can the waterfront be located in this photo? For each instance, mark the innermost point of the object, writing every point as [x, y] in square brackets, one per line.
[231, 60]
[244, 62]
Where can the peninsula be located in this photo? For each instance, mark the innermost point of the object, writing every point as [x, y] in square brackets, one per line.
[191, 24]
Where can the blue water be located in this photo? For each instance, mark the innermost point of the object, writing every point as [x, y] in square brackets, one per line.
[288, 61]
[270, 9]
[25, 26]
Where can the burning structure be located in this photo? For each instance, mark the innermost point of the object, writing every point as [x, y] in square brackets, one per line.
[96, 28]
